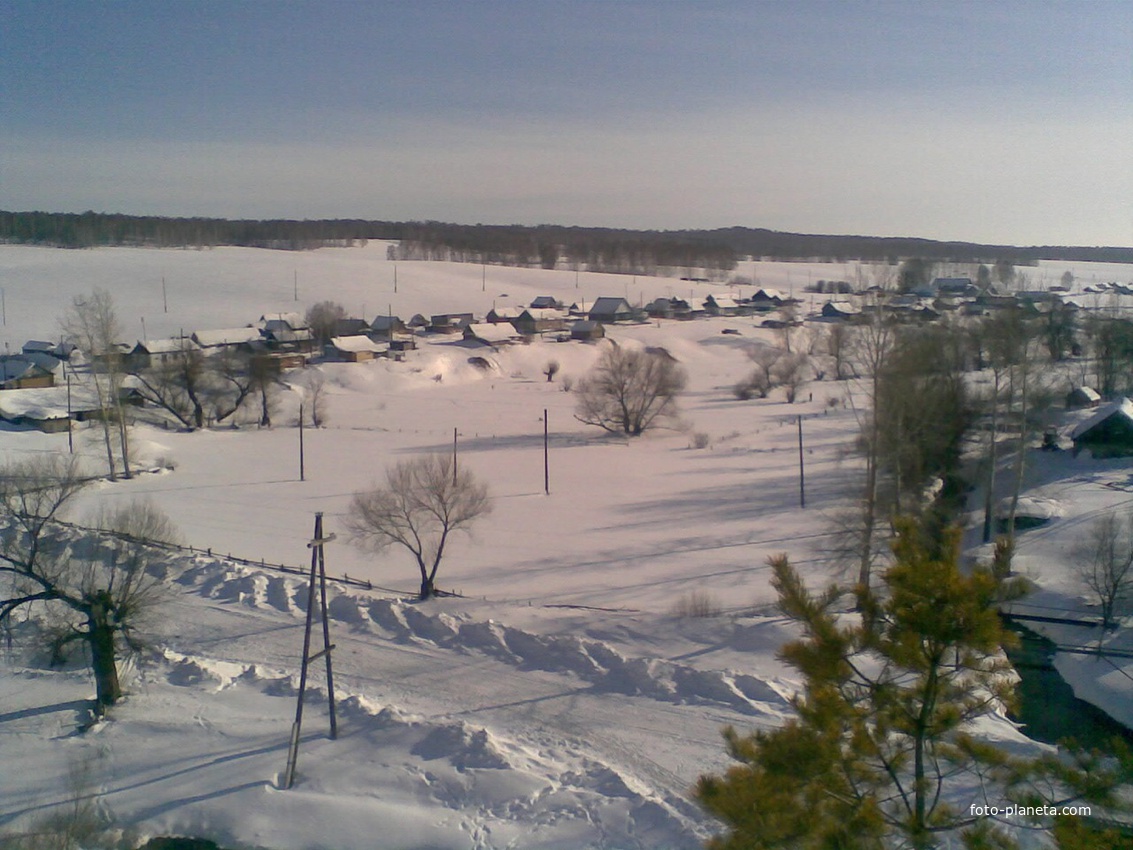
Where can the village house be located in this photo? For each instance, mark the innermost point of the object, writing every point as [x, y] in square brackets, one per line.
[224, 338]
[153, 352]
[609, 309]
[491, 334]
[355, 349]
[385, 327]
[721, 305]
[450, 323]
[21, 371]
[1108, 432]
[585, 330]
[535, 320]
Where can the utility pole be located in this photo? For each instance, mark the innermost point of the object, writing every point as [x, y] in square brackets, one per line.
[318, 563]
[546, 457]
[395, 278]
[296, 284]
[802, 479]
[70, 423]
[302, 471]
[164, 300]
[454, 457]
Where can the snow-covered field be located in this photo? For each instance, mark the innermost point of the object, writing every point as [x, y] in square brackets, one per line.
[560, 703]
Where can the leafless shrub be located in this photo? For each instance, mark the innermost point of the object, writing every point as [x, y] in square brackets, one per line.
[696, 604]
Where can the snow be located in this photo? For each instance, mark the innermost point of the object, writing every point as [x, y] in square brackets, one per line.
[559, 703]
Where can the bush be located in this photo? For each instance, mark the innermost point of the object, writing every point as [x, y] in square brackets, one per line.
[700, 440]
[696, 603]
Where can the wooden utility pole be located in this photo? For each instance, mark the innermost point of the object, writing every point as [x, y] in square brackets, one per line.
[318, 570]
[302, 469]
[546, 458]
[70, 423]
[453, 457]
[164, 300]
[802, 477]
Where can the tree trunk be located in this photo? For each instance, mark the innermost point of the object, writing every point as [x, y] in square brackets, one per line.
[100, 634]
[428, 590]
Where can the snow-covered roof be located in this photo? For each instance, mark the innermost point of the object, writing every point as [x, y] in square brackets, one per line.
[277, 321]
[723, 301]
[507, 312]
[19, 366]
[1120, 407]
[226, 336]
[491, 332]
[172, 345]
[357, 344]
[543, 313]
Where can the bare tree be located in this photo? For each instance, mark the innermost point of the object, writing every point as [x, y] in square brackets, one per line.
[94, 582]
[551, 369]
[791, 373]
[91, 323]
[314, 384]
[838, 342]
[630, 391]
[1105, 564]
[762, 379]
[423, 502]
[322, 318]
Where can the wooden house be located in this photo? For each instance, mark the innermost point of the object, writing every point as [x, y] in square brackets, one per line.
[355, 349]
[610, 309]
[536, 320]
[491, 334]
[223, 338]
[1108, 432]
[21, 372]
[587, 330]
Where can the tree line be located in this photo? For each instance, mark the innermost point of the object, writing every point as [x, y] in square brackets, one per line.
[595, 248]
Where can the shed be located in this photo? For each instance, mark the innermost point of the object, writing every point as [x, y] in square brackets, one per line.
[19, 372]
[1081, 397]
[1108, 432]
[536, 320]
[493, 334]
[226, 337]
[610, 309]
[356, 349]
[587, 330]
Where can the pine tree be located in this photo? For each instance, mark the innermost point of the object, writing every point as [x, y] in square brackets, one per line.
[880, 754]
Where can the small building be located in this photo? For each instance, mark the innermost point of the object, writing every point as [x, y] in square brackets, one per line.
[355, 349]
[957, 286]
[386, 327]
[503, 314]
[536, 320]
[721, 305]
[1108, 432]
[350, 327]
[148, 353]
[450, 323]
[609, 309]
[225, 337]
[841, 310]
[58, 350]
[546, 302]
[765, 300]
[1082, 397]
[586, 330]
[491, 334]
[21, 372]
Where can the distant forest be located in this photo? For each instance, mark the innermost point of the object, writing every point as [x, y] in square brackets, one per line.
[545, 246]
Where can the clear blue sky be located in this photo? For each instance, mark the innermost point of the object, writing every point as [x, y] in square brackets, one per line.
[986, 121]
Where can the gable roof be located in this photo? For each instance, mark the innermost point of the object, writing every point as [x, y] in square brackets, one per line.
[225, 336]
[609, 305]
[357, 344]
[1122, 408]
[490, 332]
